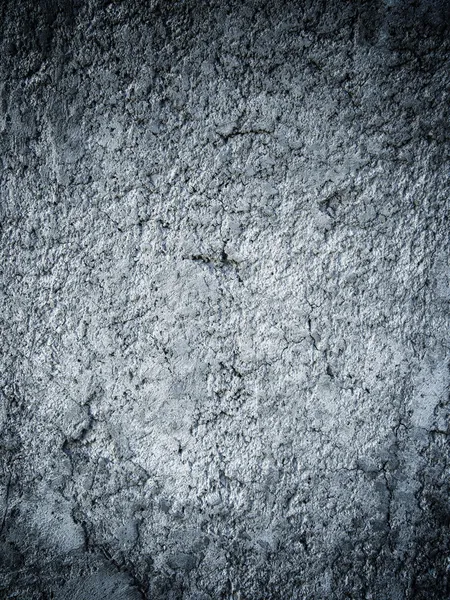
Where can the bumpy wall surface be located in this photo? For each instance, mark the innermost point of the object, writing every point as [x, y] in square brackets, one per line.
[224, 257]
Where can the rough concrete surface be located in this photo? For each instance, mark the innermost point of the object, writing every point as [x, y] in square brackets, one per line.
[224, 284]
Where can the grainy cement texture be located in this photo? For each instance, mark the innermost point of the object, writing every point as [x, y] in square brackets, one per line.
[225, 279]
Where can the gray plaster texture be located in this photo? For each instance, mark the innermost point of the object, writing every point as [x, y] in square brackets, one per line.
[224, 295]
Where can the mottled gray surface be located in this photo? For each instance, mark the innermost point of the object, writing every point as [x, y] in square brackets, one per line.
[225, 277]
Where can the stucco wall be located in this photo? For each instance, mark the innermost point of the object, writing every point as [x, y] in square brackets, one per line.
[224, 255]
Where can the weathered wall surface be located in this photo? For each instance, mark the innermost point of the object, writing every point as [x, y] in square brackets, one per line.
[224, 255]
